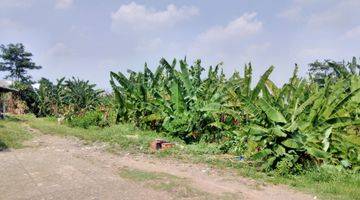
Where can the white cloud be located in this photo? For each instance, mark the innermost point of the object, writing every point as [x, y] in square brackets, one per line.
[292, 13]
[296, 10]
[241, 27]
[15, 3]
[233, 43]
[108, 63]
[59, 50]
[223, 40]
[339, 14]
[258, 48]
[63, 4]
[317, 53]
[352, 33]
[322, 13]
[326, 18]
[9, 25]
[6, 23]
[151, 45]
[140, 17]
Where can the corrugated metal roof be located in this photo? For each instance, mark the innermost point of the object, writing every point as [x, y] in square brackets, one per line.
[5, 89]
[5, 83]
[4, 86]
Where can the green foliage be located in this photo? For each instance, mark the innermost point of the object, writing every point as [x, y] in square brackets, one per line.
[27, 94]
[12, 133]
[45, 95]
[319, 71]
[326, 182]
[81, 95]
[88, 119]
[17, 61]
[302, 124]
[67, 97]
[287, 128]
[171, 100]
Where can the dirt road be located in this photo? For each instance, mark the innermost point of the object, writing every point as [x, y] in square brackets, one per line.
[52, 167]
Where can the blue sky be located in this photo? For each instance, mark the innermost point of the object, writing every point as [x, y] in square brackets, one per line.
[90, 38]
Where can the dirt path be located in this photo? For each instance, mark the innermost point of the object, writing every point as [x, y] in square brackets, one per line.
[52, 167]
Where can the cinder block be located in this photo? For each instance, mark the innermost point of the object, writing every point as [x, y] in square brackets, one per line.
[166, 145]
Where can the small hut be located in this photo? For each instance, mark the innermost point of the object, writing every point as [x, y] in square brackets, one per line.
[4, 89]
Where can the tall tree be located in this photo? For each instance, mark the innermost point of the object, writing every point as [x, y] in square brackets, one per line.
[15, 60]
[319, 71]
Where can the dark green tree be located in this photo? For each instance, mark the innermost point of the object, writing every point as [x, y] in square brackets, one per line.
[45, 95]
[82, 95]
[319, 71]
[15, 60]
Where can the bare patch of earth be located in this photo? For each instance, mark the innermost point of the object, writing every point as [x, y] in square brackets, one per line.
[52, 167]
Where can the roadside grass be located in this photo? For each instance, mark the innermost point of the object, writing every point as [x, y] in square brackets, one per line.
[173, 185]
[11, 134]
[140, 176]
[324, 182]
[123, 136]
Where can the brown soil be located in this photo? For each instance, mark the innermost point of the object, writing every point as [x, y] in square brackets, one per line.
[52, 167]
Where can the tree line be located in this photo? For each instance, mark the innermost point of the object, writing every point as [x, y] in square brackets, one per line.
[307, 121]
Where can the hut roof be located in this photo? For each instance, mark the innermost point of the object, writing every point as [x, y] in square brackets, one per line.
[6, 89]
[4, 86]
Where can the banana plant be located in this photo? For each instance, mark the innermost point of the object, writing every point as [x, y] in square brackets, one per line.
[304, 125]
[302, 122]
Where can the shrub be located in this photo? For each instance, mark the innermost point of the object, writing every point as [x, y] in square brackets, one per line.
[277, 128]
[88, 119]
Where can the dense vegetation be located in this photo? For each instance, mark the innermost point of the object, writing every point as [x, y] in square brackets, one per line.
[12, 134]
[286, 128]
[72, 99]
[325, 182]
[75, 100]
[17, 61]
[304, 123]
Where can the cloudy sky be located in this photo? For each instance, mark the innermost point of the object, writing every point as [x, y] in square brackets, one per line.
[89, 38]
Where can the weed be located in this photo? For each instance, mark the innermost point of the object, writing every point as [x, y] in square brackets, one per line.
[11, 134]
[327, 182]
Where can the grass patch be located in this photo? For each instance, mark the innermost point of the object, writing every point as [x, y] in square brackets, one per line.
[324, 182]
[122, 136]
[175, 186]
[12, 134]
[138, 175]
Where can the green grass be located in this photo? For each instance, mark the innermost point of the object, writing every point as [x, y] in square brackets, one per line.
[173, 185]
[324, 182]
[12, 134]
[123, 136]
[139, 175]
